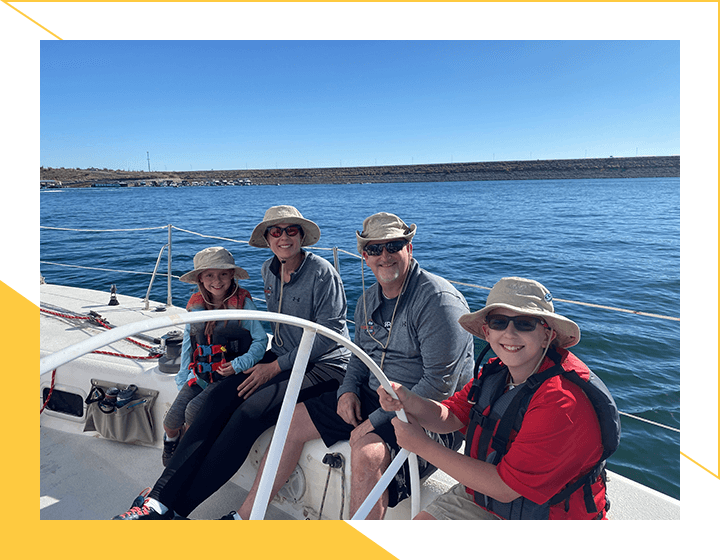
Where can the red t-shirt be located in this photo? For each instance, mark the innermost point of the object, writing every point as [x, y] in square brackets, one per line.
[559, 440]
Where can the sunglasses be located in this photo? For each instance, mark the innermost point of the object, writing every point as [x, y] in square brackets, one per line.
[276, 231]
[522, 323]
[376, 249]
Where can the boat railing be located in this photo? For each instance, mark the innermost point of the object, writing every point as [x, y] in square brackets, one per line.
[61, 357]
[335, 251]
[154, 273]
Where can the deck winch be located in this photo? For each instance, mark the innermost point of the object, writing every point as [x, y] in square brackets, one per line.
[171, 348]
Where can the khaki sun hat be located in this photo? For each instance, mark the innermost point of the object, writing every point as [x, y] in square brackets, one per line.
[381, 226]
[284, 215]
[526, 297]
[213, 257]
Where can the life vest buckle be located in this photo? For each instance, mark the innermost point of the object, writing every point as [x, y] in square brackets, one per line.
[473, 394]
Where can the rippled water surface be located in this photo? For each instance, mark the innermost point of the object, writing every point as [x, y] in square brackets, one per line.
[613, 243]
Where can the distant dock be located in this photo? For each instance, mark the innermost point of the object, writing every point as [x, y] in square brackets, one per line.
[110, 184]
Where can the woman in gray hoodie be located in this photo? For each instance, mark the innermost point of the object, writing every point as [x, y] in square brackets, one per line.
[237, 412]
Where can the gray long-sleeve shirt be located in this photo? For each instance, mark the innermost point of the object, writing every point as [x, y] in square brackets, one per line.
[315, 292]
[429, 352]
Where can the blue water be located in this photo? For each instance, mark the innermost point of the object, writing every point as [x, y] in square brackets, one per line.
[608, 242]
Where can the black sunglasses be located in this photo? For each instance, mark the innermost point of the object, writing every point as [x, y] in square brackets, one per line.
[522, 323]
[376, 249]
[276, 231]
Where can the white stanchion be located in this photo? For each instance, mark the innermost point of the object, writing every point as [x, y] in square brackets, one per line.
[262, 498]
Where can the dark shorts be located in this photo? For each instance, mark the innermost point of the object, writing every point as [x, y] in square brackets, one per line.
[332, 429]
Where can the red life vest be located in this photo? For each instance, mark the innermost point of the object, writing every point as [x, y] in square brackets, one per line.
[499, 412]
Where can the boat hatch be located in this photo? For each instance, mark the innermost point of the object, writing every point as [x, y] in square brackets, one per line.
[63, 402]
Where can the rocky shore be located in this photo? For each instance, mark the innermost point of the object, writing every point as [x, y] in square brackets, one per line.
[605, 168]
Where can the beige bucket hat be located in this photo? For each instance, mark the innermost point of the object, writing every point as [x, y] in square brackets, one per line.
[284, 215]
[381, 226]
[213, 257]
[527, 297]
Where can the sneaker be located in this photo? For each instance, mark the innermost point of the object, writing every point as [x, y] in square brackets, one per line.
[144, 512]
[140, 500]
[125, 395]
[169, 447]
[230, 516]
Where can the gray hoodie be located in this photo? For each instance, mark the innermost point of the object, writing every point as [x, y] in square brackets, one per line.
[315, 292]
[429, 352]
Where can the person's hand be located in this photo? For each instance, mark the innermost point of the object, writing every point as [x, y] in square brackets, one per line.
[410, 435]
[257, 376]
[348, 408]
[389, 403]
[226, 369]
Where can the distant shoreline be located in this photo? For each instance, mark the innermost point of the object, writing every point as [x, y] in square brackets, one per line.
[595, 168]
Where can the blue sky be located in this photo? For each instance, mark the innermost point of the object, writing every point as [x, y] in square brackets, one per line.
[198, 105]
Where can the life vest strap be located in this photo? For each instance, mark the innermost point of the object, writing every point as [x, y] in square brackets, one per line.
[208, 350]
[205, 367]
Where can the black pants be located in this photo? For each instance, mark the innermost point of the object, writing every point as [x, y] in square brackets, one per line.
[223, 433]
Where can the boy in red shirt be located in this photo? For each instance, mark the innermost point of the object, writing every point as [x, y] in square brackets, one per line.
[553, 437]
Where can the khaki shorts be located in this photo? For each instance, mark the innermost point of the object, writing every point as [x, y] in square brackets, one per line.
[457, 504]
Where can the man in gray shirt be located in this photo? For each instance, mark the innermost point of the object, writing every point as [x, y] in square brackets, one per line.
[407, 322]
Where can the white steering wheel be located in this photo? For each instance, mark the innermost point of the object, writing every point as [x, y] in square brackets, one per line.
[310, 329]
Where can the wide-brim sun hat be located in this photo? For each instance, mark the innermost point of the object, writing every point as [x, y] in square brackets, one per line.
[213, 257]
[382, 226]
[525, 297]
[284, 215]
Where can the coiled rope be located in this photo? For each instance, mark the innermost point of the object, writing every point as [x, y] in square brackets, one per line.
[96, 319]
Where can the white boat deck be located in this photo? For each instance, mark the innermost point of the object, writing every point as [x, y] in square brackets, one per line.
[111, 474]
[84, 476]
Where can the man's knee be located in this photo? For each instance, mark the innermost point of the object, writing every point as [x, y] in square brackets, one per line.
[370, 453]
[302, 428]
